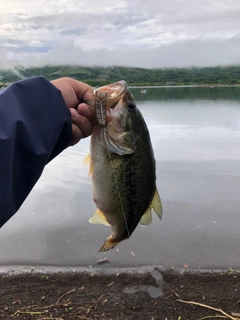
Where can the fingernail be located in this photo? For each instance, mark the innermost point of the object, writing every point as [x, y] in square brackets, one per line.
[73, 113]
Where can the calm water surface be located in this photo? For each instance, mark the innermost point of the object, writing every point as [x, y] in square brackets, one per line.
[196, 139]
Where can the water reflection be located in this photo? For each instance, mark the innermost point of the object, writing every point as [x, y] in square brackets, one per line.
[195, 134]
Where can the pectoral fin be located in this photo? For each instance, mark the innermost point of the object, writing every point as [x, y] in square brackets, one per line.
[156, 204]
[99, 218]
[88, 160]
[146, 218]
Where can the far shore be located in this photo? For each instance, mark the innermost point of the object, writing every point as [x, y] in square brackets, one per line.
[5, 85]
[187, 86]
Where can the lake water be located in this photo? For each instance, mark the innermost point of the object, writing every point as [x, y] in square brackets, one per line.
[195, 133]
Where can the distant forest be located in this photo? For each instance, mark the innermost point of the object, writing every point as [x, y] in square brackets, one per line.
[97, 76]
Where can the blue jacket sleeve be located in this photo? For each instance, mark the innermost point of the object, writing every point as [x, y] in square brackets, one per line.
[35, 126]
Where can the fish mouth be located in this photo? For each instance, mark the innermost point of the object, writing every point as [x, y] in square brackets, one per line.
[107, 97]
[115, 89]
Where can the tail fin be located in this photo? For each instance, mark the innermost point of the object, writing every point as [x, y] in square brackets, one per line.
[108, 244]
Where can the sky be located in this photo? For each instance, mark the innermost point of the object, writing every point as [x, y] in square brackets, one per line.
[137, 33]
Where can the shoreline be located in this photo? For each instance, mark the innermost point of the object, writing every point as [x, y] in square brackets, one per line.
[104, 270]
[151, 293]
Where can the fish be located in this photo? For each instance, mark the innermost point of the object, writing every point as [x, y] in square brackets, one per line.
[122, 165]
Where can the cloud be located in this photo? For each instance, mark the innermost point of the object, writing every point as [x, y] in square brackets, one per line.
[76, 31]
[185, 53]
[132, 33]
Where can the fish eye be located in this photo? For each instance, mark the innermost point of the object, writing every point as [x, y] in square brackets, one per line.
[131, 105]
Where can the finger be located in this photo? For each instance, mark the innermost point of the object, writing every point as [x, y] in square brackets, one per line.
[83, 91]
[88, 112]
[77, 135]
[74, 91]
[82, 123]
[68, 92]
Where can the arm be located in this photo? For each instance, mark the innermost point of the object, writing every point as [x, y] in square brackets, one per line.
[35, 126]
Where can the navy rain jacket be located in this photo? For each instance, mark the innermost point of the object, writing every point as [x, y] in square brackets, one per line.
[35, 126]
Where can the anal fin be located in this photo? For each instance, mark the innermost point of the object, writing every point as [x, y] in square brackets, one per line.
[99, 218]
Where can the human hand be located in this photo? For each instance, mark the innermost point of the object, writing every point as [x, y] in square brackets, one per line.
[78, 96]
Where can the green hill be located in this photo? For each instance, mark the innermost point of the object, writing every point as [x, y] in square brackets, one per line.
[96, 76]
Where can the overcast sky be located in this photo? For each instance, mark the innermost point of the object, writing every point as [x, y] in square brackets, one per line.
[140, 33]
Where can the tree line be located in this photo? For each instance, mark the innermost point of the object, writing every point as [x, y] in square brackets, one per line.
[97, 76]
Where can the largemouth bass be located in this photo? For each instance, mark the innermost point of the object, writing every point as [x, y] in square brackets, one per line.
[122, 165]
